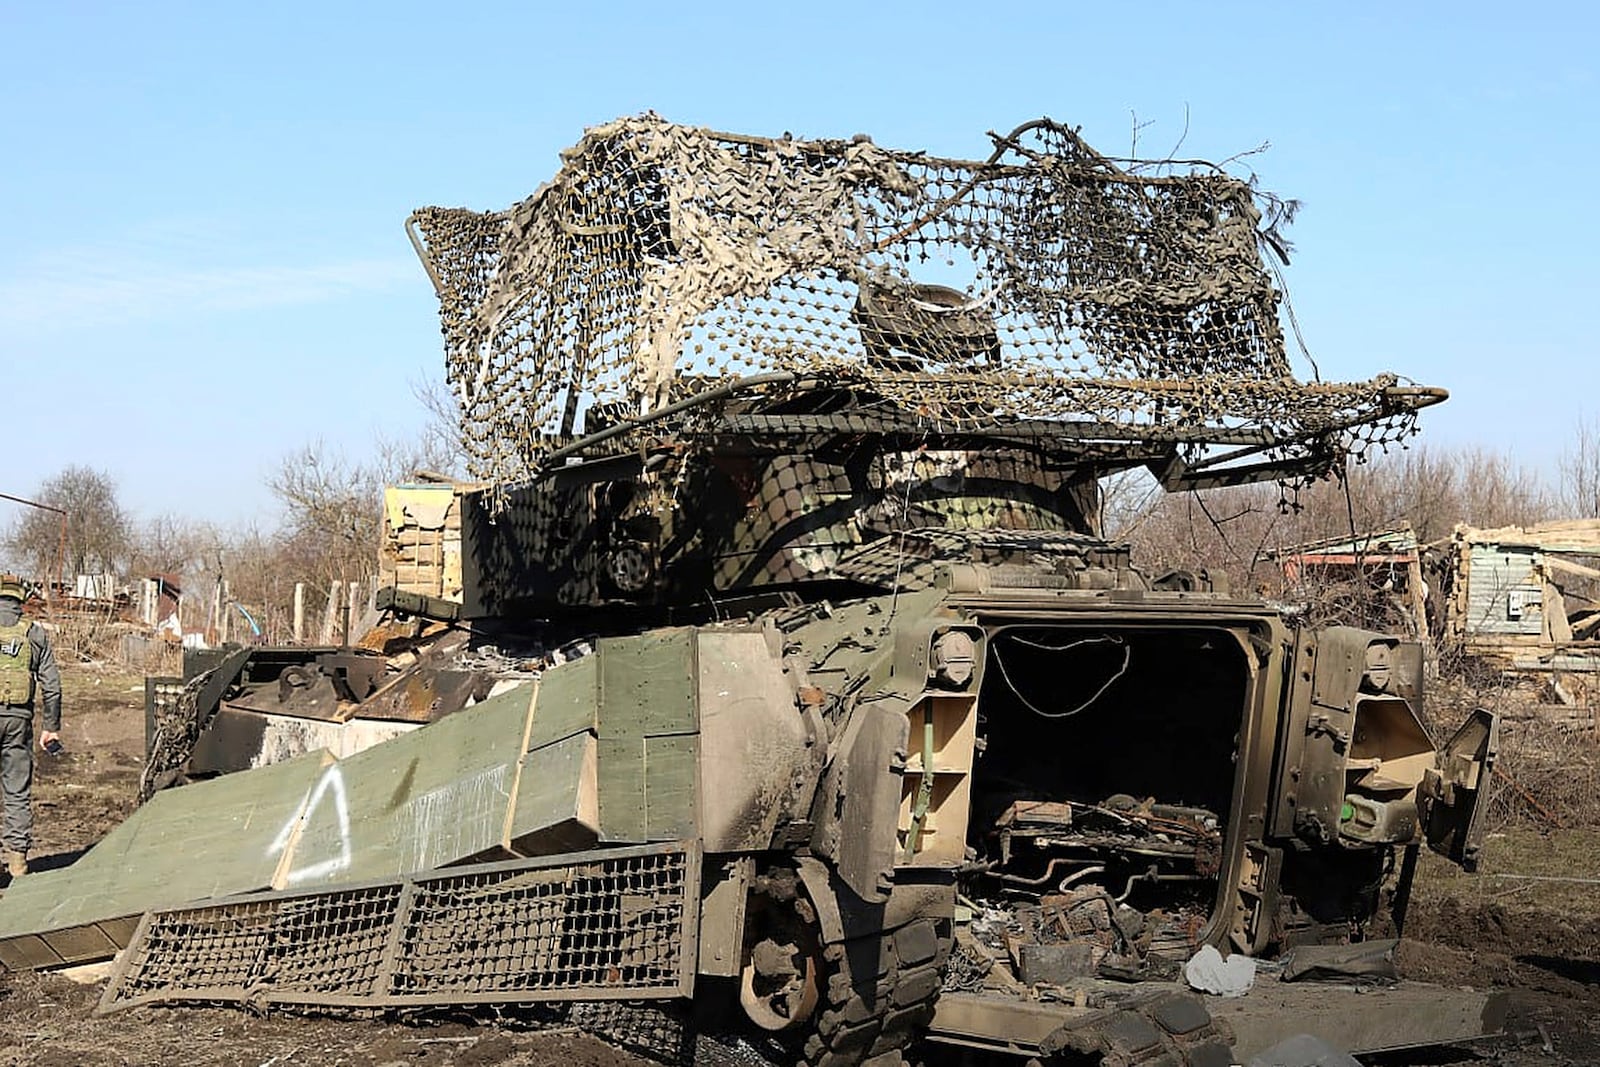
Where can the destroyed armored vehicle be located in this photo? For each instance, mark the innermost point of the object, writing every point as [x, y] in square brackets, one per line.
[818, 692]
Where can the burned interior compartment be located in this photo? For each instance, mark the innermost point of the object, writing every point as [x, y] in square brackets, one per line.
[1101, 795]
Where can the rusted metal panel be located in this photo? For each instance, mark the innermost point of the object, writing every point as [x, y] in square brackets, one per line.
[237, 740]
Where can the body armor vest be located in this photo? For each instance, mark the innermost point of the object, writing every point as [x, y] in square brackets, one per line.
[16, 663]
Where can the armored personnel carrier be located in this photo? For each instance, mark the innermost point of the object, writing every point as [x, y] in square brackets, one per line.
[793, 448]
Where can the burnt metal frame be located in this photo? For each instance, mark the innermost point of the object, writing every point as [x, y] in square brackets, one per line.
[1108, 446]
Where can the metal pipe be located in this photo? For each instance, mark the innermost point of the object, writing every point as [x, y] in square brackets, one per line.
[1154, 875]
[1078, 876]
[32, 503]
[1049, 873]
[718, 392]
[61, 541]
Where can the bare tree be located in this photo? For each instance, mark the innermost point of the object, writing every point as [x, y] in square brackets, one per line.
[331, 513]
[333, 507]
[1580, 472]
[261, 570]
[1127, 499]
[97, 535]
[1234, 530]
[440, 440]
[169, 544]
[1223, 531]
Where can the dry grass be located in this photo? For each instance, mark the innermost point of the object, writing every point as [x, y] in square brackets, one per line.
[101, 685]
[1549, 759]
[95, 638]
[1511, 853]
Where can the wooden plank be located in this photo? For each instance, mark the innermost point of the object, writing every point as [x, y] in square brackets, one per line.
[1415, 586]
[1566, 566]
[1572, 535]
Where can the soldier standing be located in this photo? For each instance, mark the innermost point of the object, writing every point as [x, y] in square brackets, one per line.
[27, 664]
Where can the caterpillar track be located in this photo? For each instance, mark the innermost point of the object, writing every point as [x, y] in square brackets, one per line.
[879, 995]
[1161, 1030]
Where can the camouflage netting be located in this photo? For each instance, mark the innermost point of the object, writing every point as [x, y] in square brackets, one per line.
[1045, 282]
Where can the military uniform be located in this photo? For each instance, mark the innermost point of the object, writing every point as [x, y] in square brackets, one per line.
[27, 669]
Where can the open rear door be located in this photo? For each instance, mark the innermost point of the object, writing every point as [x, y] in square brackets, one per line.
[1456, 792]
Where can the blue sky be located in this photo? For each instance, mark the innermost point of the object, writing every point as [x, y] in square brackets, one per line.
[203, 264]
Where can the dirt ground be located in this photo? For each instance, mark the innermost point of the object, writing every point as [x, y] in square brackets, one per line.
[1506, 927]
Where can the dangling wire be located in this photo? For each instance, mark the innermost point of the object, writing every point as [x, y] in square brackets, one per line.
[1127, 655]
[905, 511]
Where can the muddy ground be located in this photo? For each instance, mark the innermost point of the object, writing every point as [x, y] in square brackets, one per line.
[1539, 939]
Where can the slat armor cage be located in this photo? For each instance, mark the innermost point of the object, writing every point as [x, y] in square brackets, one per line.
[613, 924]
[1046, 282]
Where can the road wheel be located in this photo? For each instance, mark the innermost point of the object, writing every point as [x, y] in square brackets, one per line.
[781, 978]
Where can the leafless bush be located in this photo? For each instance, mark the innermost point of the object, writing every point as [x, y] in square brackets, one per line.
[103, 636]
[1550, 776]
[1371, 603]
[1234, 530]
[1548, 772]
[1580, 472]
[87, 636]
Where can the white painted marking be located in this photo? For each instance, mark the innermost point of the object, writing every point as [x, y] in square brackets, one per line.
[331, 782]
[457, 819]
